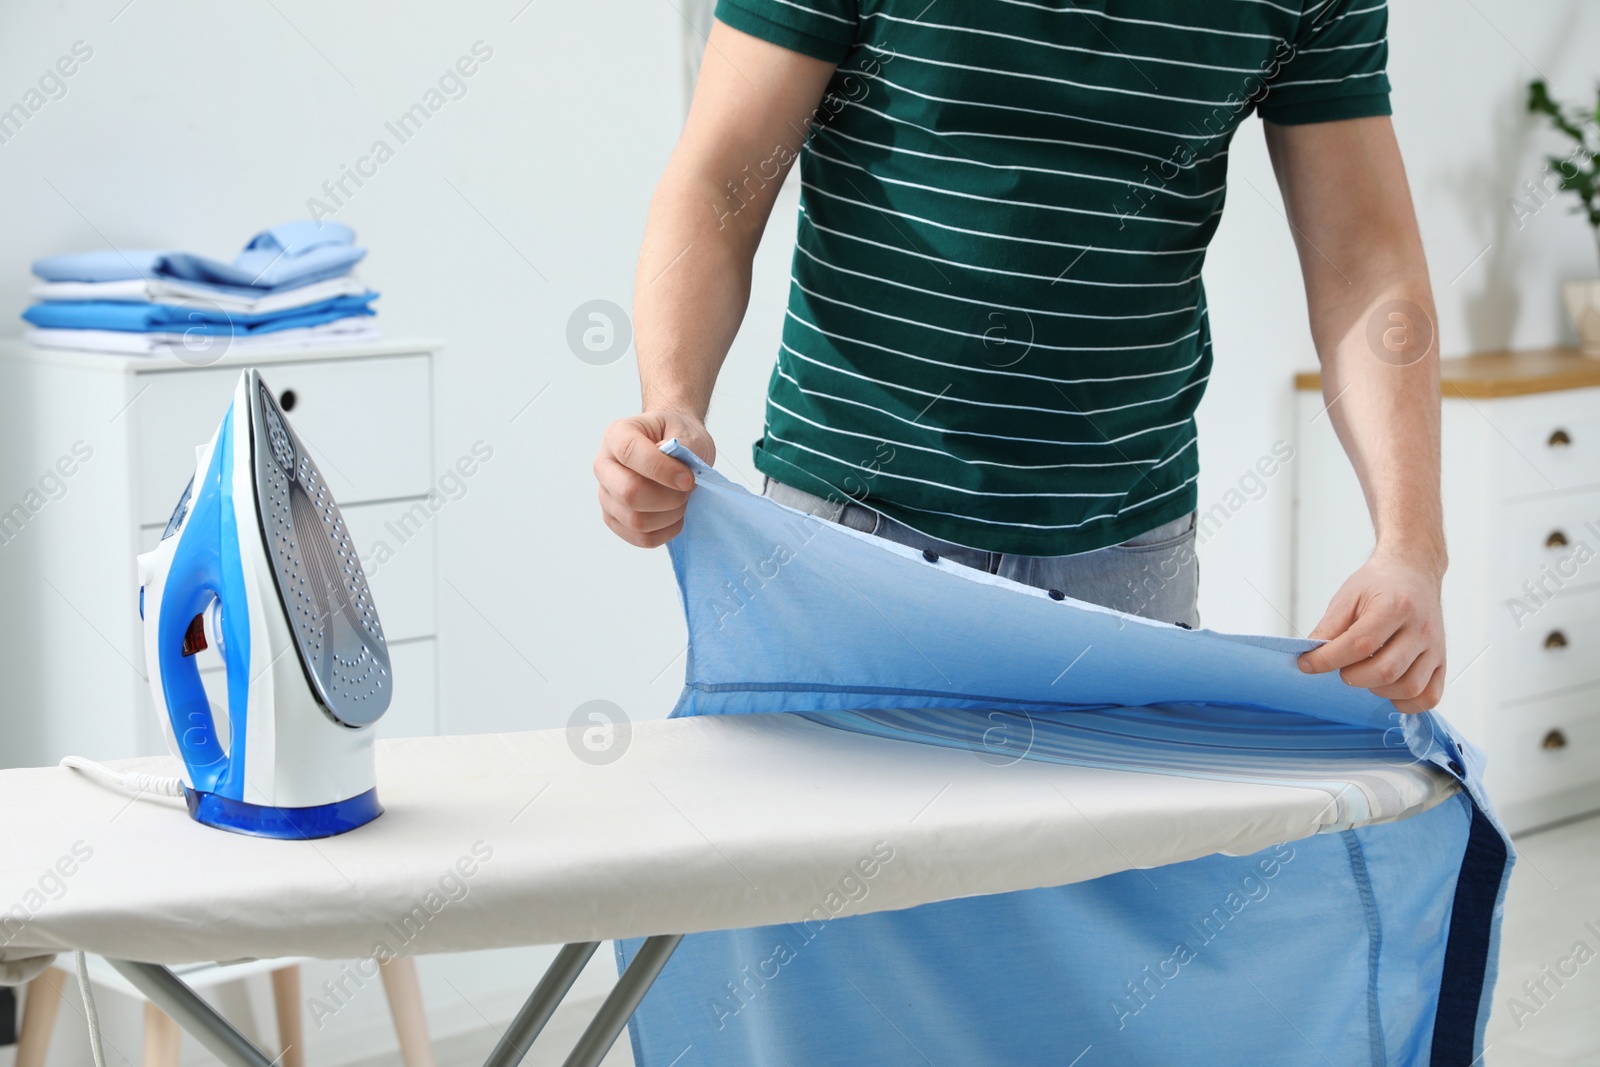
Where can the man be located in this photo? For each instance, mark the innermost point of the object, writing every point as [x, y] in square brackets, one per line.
[996, 336]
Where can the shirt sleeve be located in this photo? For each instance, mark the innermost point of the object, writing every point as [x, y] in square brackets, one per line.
[822, 29]
[1335, 67]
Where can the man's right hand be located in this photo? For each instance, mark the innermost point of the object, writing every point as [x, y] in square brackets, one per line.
[643, 491]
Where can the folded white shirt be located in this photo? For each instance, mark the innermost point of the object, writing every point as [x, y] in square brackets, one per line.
[340, 331]
[172, 291]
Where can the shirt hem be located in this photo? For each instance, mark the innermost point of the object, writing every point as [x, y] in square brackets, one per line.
[830, 49]
[1328, 109]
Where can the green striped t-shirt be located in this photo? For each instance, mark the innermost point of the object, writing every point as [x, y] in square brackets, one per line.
[996, 330]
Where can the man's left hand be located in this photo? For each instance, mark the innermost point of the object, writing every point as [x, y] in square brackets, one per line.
[1385, 632]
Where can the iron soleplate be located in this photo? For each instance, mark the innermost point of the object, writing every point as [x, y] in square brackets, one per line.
[321, 585]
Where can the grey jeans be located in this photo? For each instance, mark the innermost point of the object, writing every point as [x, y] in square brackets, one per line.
[1156, 575]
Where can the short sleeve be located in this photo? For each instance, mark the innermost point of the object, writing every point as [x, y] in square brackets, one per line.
[1335, 67]
[822, 29]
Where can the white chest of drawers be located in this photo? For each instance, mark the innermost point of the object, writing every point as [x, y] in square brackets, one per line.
[1521, 482]
[96, 450]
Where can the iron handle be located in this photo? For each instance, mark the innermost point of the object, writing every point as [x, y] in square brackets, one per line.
[1559, 439]
[1557, 539]
[1555, 639]
[1555, 739]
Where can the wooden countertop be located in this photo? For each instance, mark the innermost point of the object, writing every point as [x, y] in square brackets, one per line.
[1490, 375]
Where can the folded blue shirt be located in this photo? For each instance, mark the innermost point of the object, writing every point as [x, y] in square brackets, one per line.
[104, 266]
[284, 257]
[169, 318]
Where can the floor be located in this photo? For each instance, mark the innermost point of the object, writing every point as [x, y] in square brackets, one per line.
[562, 1032]
[1554, 893]
[1552, 921]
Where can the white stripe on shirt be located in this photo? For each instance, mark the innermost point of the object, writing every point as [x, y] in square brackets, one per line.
[947, 431]
[1056, 45]
[803, 250]
[1003, 406]
[812, 149]
[984, 337]
[814, 224]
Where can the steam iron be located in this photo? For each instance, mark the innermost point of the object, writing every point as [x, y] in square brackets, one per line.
[257, 563]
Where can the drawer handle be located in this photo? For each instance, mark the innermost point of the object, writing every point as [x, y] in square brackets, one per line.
[1557, 539]
[287, 400]
[1555, 739]
[1559, 439]
[1555, 639]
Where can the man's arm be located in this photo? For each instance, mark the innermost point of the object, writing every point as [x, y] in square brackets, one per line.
[1372, 320]
[752, 109]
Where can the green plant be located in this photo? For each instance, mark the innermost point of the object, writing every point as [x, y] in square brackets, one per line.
[1578, 172]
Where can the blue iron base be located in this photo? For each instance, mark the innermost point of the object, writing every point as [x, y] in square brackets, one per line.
[294, 824]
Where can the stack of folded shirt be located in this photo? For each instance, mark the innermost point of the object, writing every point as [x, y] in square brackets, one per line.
[292, 286]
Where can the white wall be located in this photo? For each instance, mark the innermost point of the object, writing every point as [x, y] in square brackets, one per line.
[194, 125]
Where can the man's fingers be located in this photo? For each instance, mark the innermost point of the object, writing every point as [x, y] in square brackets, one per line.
[1410, 682]
[1384, 634]
[642, 540]
[1429, 699]
[644, 493]
[1337, 619]
[644, 522]
[637, 509]
[1364, 637]
[633, 537]
[628, 444]
[1389, 664]
[634, 491]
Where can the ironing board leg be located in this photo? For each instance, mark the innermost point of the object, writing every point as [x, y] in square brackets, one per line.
[541, 1004]
[624, 998]
[167, 992]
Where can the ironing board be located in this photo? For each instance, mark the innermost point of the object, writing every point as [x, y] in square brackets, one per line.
[703, 824]
[946, 739]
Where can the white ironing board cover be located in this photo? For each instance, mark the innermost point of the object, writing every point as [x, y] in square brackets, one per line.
[704, 823]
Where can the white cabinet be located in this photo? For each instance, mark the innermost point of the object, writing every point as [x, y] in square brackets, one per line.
[366, 421]
[96, 450]
[1521, 482]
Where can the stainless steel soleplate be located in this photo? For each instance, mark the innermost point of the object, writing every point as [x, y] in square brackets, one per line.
[320, 582]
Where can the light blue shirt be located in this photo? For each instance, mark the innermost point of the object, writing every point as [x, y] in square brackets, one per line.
[1369, 945]
[172, 318]
[284, 257]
